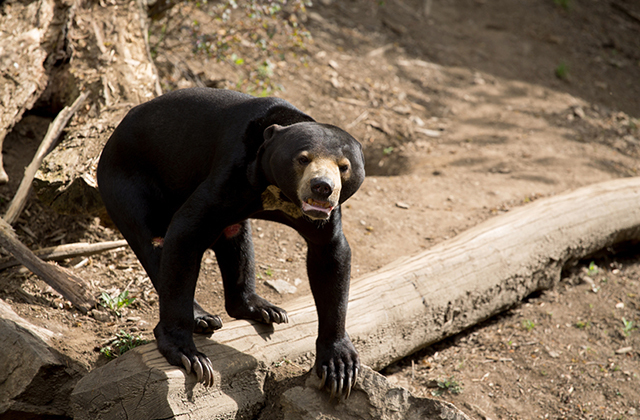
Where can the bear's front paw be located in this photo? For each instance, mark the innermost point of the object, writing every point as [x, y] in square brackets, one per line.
[337, 366]
[178, 348]
[258, 309]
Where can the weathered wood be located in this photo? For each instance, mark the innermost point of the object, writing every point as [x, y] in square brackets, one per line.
[393, 312]
[72, 287]
[30, 366]
[61, 252]
[112, 61]
[22, 61]
[55, 129]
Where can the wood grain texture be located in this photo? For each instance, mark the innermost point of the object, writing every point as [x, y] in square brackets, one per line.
[404, 306]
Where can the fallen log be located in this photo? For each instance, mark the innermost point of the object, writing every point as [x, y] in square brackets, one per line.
[70, 286]
[405, 306]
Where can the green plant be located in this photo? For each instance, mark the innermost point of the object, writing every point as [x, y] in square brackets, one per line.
[593, 269]
[582, 324]
[565, 4]
[562, 71]
[116, 303]
[450, 385]
[528, 325]
[628, 326]
[121, 344]
[269, 272]
[387, 150]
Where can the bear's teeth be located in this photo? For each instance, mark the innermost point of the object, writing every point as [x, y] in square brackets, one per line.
[316, 203]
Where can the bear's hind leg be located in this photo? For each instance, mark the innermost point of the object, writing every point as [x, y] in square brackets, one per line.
[205, 322]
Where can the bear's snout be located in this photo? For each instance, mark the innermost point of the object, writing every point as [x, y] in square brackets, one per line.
[322, 186]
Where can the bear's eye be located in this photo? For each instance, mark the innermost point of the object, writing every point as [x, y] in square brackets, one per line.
[304, 160]
[343, 168]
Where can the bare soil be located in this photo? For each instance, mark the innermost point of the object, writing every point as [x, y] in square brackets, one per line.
[465, 112]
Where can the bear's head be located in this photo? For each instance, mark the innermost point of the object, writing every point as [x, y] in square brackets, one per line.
[316, 166]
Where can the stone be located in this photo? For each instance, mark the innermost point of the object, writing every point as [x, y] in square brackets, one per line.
[282, 286]
[373, 397]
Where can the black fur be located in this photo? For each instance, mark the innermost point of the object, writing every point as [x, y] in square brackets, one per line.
[191, 167]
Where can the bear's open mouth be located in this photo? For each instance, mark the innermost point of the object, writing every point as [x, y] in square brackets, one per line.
[312, 205]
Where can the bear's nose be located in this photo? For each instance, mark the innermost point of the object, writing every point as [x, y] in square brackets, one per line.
[322, 186]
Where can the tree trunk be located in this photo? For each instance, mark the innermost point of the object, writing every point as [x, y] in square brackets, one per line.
[405, 306]
[111, 60]
[23, 51]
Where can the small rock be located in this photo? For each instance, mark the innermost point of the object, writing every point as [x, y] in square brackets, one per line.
[624, 350]
[478, 80]
[552, 353]
[427, 132]
[281, 286]
[372, 397]
[100, 316]
[588, 280]
[620, 305]
[402, 205]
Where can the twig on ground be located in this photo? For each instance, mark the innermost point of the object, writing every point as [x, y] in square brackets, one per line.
[60, 252]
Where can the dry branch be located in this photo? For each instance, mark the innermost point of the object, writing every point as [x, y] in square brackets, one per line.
[64, 282]
[61, 252]
[393, 312]
[55, 129]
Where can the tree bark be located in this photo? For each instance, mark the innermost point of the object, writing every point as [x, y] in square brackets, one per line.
[23, 51]
[393, 312]
[111, 60]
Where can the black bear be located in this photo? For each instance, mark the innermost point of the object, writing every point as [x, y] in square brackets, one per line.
[185, 171]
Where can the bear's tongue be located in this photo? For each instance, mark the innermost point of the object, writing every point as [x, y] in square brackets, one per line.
[311, 204]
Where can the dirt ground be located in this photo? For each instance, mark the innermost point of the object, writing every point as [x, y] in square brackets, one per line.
[466, 109]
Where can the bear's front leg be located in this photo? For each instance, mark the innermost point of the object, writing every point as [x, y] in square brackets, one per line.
[175, 283]
[329, 271]
[234, 252]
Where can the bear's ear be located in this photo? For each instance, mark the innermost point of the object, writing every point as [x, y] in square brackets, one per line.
[271, 131]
